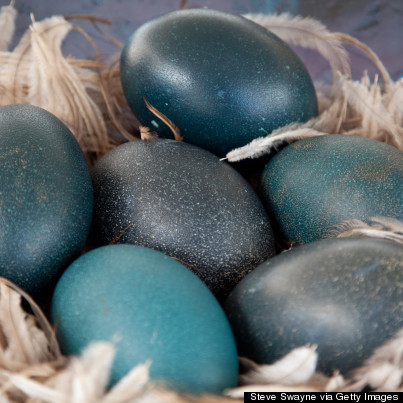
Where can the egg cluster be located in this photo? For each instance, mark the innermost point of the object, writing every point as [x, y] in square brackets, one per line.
[171, 253]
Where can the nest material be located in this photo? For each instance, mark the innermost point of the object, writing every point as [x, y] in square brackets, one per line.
[87, 96]
[33, 370]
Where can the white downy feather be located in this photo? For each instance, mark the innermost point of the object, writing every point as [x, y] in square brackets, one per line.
[296, 367]
[263, 145]
[130, 386]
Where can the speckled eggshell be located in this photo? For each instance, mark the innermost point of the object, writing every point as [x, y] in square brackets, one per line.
[345, 295]
[46, 197]
[222, 79]
[152, 308]
[181, 200]
[316, 183]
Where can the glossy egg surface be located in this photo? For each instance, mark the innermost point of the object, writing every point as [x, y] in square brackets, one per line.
[222, 79]
[46, 197]
[316, 183]
[153, 309]
[345, 295]
[181, 200]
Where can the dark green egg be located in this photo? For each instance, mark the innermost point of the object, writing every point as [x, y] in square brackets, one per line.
[313, 184]
[153, 309]
[222, 79]
[181, 200]
[345, 295]
[45, 197]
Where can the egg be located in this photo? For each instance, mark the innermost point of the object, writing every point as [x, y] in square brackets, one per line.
[46, 197]
[316, 183]
[153, 309]
[221, 78]
[344, 295]
[185, 202]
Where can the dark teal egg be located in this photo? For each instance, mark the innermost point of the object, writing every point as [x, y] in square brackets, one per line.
[152, 308]
[313, 184]
[183, 201]
[45, 197]
[345, 295]
[222, 79]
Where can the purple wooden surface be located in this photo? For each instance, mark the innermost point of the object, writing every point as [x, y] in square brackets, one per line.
[378, 23]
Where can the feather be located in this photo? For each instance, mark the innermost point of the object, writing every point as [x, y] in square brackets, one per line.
[296, 367]
[130, 386]
[334, 383]
[34, 388]
[308, 33]
[56, 87]
[393, 100]
[366, 100]
[348, 39]
[175, 129]
[385, 377]
[19, 349]
[383, 371]
[377, 227]
[263, 145]
[146, 133]
[8, 15]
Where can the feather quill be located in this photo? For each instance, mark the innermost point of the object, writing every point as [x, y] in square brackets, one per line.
[8, 14]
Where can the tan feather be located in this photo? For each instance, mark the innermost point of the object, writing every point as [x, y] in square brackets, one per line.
[377, 227]
[393, 100]
[8, 14]
[366, 100]
[308, 33]
[175, 129]
[56, 86]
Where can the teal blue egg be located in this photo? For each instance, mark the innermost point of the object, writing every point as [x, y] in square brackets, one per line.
[46, 197]
[153, 309]
[343, 295]
[221, 78]
[316, 183]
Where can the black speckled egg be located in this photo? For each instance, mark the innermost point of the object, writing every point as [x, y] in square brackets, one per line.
[316, 183]
[222, 79]
[181, 200]
[345, 295]
[46, 197]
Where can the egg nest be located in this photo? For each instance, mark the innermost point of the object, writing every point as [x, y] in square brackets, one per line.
[31, 364]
